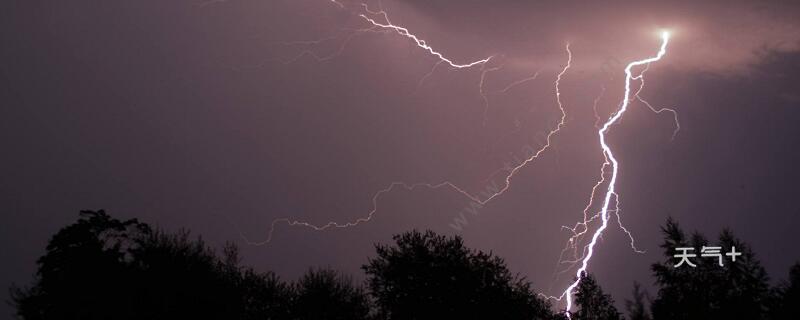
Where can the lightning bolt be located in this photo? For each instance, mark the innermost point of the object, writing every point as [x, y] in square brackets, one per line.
[446, 184]
[378, 22]
[612, 161]
[387, 25]
[572, 243]
[384, 25]
[421, 43]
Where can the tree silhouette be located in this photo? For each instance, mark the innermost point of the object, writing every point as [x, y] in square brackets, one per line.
[264, 296]
[744, 291]
[103, 268]
[428, 276]
[182, 278]
[84, 273]
[739, 290]
[786, 304]
[324, 294]
[593, 303]
[637, 310]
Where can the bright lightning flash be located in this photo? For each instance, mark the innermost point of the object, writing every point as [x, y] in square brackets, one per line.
[610, 159]
[379, 22]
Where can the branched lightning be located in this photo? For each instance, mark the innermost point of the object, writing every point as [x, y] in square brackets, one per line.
[446, 184]
[376, 26]
[581, 228]
[660, 110]
[378, 22]
[611, 161]
[421, 43]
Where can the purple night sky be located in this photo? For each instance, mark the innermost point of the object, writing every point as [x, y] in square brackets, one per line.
[209, 116]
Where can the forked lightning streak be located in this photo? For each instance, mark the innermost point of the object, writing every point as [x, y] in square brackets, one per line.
[580, 229]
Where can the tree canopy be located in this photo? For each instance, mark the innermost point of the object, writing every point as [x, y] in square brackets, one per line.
[103, 268]
[592, 302]
[739, 290]
[429, 276]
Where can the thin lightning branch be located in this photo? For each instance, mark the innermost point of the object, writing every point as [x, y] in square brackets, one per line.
[660, 110]
[427, 75]
[519, 82]
[622, 227]
[336, 53]
[558, 91]
[422, 44]
[640, 77]
[513, 171]
[574, 240]
[609, 155]
[442, 59]
[384, 25]
[517, 122]
[485, 98]
[594, 107]
[338, 3]
[368, 217]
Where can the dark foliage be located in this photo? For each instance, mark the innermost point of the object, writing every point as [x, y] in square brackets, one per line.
[428, 276]
[637, 309]
[103, 268]
[85, 273]
[592, 302]
[786, 303]
[264, 296]
[739, 290]
[325, 294]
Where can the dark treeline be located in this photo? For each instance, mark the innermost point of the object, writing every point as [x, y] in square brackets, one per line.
[103, 268]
